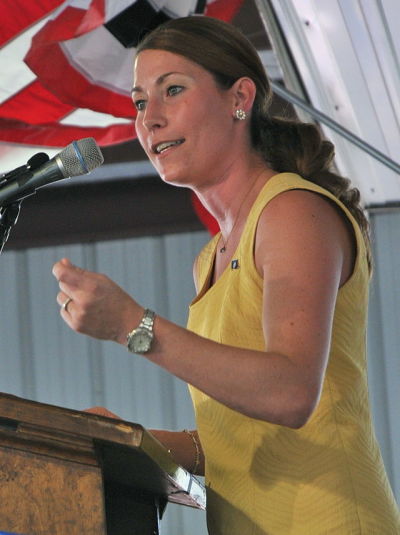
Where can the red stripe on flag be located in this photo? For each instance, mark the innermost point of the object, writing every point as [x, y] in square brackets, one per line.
[223, 9]
[58, 135]
[94, 17]
[34, 105]
[71, 23]
[17, 15]
[62, 28]
[52, 67]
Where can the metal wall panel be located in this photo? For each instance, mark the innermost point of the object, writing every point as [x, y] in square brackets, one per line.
[384, 341]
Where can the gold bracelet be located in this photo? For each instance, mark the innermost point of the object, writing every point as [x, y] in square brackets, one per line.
[197, 447]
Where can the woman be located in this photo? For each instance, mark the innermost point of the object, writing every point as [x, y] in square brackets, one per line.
[274, 352]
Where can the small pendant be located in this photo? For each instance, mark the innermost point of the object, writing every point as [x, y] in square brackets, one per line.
[223, 249]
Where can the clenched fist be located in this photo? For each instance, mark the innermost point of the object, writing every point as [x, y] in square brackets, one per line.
[93, 304]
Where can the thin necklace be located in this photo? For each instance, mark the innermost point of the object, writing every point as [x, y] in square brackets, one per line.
[225, 242]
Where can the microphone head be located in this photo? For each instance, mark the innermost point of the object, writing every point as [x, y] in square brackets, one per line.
[80, 157]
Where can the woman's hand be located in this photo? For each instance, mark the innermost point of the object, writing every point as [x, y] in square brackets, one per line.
[96, 306]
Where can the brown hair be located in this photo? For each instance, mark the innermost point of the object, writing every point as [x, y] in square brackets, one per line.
[286, 145]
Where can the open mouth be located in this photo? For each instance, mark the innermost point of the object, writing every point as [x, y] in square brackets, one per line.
[165, 145]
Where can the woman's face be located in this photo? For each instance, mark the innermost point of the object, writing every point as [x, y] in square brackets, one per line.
[184, 120]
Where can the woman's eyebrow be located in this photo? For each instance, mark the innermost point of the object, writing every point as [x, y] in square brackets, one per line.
[159, 81]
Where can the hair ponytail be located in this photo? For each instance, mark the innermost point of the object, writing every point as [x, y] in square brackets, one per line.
[292, 146]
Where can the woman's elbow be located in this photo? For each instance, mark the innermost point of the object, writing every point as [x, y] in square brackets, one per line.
[301, 407]
[293, 410]
[298, 419]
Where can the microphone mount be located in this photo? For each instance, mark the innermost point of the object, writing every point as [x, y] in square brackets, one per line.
[9, 213]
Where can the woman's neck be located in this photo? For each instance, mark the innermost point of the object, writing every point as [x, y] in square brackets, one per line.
[229, 200]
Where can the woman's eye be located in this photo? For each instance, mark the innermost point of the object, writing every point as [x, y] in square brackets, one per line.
[140, 104]
[174, 90]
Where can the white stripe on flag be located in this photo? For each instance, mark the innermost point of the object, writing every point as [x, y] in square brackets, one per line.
[180, 9]
[85, 117]
[14, 73]
[110, 67]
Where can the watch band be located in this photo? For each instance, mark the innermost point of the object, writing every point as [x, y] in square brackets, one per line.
[148, 320]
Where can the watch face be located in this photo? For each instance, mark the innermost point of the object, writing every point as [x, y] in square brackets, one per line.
[140, 341]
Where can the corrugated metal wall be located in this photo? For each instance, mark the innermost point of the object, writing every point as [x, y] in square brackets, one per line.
[384, 340]
[41, 359]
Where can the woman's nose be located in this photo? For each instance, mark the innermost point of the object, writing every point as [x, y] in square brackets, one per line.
[154, 115]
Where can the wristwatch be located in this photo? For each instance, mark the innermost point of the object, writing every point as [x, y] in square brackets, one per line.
[139, 340]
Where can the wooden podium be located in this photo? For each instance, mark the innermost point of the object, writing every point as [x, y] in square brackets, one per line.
[65, 472]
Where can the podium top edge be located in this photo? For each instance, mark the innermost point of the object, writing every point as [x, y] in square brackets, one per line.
[25, 411]
[18, 413]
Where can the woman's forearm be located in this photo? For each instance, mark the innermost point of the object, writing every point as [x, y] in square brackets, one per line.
[264, 385]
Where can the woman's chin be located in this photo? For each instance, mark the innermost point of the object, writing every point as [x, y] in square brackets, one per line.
[174, 179]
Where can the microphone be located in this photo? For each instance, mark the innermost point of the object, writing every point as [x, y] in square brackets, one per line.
[78, 158]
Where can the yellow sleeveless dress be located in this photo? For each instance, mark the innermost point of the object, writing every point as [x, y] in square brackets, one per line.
[265, 479]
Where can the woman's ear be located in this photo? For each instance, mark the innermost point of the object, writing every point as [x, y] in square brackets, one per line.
[243, 93]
